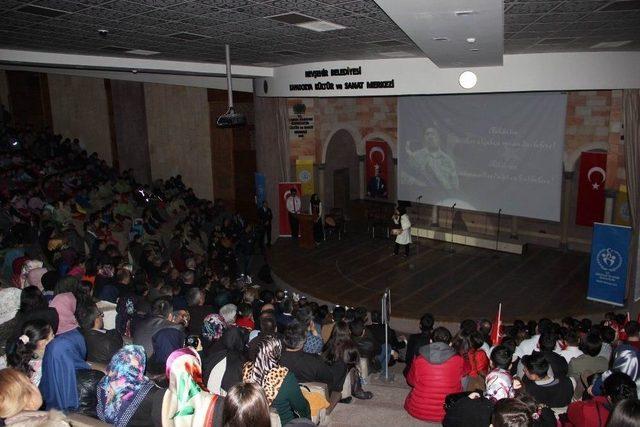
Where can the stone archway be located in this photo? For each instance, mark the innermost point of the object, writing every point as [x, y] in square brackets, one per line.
[341, 172]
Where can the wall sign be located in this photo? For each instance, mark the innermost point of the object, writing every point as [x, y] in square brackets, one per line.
[300, 123]
[323, 85]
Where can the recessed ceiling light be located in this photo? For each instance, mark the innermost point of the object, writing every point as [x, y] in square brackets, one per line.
[321, 26]
[441, 39]
[471, 39]
[475, 49]
[464, 12]
[610, 45]
[142, 52]
[468, 79]
[292, 18]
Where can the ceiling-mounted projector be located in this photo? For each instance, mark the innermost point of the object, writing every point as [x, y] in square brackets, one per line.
[230, 118]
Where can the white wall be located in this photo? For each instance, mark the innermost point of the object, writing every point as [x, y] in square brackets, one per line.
[415, 76]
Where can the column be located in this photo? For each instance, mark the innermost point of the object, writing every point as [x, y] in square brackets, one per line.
[362, 176]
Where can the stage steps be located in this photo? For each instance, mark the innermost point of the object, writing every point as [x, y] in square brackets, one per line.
[512, 246]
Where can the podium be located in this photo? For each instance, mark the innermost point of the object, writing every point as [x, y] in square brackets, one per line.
[306, 231]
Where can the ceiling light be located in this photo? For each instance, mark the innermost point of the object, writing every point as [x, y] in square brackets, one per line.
[321, 26]
[292, 18]
[475, 49]
[610, 45]
[468, 79]
[464, 12]
[441, 39]
[142, 52]
[471, 39]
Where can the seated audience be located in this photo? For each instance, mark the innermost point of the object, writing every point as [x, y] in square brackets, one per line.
[435, 373]
[26, 352]
[557, 363]
[212, 329]
[161, 318]
[571, 345]
[589, 362]
[377, 329]
[126, 397]
[33, 305]
[499, 382]
[245, 317]
[595, 412]
[625, 414]
[101, 344]
[246, 405]
[543, 387]
[187, 401]
[632, 330]
[313, 341]
[222, 366]
[278, 383]
[416, 341]
[197, 310]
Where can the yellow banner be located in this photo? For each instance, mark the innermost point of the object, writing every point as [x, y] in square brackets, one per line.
[304, 174]
[621, 213]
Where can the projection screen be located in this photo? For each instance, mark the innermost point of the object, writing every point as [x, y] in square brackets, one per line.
[483, 152]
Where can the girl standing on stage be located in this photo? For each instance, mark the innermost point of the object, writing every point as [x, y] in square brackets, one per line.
[403, 237]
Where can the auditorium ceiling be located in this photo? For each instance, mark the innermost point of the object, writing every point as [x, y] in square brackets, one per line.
[197, 30]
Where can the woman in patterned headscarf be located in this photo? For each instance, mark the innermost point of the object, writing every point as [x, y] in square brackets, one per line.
[187, 403]
[279, 385]
[125, 391]
[212, 328]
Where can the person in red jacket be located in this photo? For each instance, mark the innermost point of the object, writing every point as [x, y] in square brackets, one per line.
[435, 372]
[595, 412]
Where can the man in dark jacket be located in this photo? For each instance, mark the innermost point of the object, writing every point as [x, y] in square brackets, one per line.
[161, 317]
[368, 346]
[417, 341]
[197, 310]
[377, 331]
[101, 344]
[545, 389]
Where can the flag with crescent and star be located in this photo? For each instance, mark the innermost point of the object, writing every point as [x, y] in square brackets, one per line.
[591, 186]
[377, 168]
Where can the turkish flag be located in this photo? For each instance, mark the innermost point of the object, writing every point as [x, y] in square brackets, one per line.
[591, 198]
[284, 189]
[377, 161]
[497, 328]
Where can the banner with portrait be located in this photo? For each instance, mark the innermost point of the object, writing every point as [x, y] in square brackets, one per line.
[377, 168]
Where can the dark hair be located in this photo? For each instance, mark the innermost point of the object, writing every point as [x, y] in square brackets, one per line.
[501, 357]
[402, 210]
[625, 414]
[467, 326]
[361, 313]
[619, 386]
[287, 306]
[20, 354]
[244, 309]
[193, 296]
[591, 344]
[511, 413]
[341, 346]
[545, 325]
[66, 284]
[632, 328]
[267, 323]
[266, 296]
[441, 334]
[304, 315]
[536, 364]
[91, 313]
[608, 334]
[356, 327]
[571, 337]
[246, 405]
[476, 340]
[31, 299]
[162, 307]
[295, 335]
[426, 322]
[547, 341]
[338, 313]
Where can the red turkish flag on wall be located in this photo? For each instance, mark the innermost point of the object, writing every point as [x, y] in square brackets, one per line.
[591, 198]
[377, 160]
[284, 189]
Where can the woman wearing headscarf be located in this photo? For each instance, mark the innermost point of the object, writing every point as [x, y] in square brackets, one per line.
[34, 277]
[28, 266]
[63, 357]
[280, 386]
[212, 328]
[187, 403]
[33, 305]
[126, 397]
[224, 362]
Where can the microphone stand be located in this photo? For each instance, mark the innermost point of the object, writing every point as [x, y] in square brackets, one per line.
[453, 214]
[498, 233]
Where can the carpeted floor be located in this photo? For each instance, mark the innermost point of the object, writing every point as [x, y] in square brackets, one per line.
[385, 409]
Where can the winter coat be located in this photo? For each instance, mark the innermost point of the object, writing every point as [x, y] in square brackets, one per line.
[436, 372]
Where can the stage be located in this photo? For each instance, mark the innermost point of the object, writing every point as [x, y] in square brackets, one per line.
[466, 283]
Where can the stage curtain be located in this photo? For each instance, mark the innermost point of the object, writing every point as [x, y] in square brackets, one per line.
[631, 117]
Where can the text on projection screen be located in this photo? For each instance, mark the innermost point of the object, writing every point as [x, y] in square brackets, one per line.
[483, 152]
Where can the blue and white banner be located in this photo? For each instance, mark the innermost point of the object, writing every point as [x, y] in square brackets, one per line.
[609, 259]
[261, 185]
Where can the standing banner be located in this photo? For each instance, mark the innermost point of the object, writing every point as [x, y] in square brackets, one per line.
[377, 153]
[591, 197]
[609, 259]
[304, 173]
[261, 188]
[621, 211]
[284, 189]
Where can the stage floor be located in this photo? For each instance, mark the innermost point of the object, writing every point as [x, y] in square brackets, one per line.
[468, 283]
